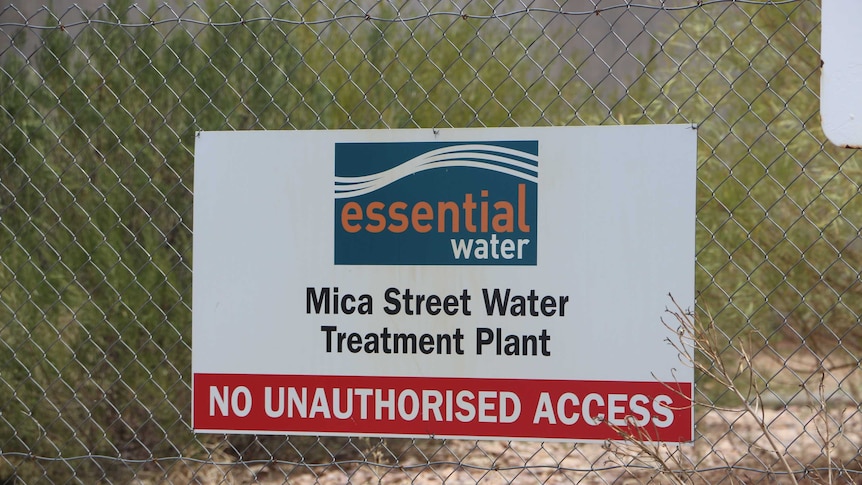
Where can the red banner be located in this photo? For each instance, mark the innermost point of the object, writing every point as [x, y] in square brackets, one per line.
[442, 407]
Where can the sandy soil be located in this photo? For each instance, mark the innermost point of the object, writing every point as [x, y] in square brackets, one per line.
[731, 447]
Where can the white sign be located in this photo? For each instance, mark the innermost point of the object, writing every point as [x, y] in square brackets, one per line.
[482, 283]
[841, 79]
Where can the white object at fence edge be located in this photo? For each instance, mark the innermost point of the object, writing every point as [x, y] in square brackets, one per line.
[841, 74]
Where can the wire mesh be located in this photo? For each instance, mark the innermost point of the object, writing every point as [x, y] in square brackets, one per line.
[99, 112]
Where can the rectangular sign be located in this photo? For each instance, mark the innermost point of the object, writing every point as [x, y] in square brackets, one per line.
[841, 72]
[465, 283]
[436, 406]
[417, 203]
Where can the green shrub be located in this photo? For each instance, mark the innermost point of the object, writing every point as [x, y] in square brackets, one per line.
[96, 150]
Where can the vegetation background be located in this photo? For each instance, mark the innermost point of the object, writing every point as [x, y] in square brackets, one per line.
[97, 124]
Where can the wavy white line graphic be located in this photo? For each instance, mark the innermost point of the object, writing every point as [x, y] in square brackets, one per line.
[488, 157]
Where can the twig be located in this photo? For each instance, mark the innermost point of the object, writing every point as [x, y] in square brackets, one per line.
[704, 342]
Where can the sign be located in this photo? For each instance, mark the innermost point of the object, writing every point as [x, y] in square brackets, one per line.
[416, 203]
[841, 77]
[466, 283]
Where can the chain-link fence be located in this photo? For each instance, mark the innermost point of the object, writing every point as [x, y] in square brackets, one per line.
[99, 111]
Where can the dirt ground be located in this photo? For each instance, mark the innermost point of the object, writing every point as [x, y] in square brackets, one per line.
[731, 447]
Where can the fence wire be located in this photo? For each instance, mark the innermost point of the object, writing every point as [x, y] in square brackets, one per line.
[99, 112]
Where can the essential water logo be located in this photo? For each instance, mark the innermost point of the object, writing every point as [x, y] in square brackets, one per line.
[436, 203]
